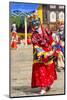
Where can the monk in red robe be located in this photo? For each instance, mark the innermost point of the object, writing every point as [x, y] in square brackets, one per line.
[14, 40]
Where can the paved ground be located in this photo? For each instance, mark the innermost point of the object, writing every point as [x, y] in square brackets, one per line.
[21, 69]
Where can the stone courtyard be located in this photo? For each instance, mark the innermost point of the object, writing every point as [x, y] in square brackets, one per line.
[21, 70]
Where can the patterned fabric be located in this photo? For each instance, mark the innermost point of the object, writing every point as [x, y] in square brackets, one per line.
[43, 75]
[41, 39]
[43, 70]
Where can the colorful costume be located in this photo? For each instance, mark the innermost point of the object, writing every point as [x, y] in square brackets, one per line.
[43, 71]
[60, 60]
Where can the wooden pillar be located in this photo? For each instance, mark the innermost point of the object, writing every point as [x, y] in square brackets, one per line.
[26, 31]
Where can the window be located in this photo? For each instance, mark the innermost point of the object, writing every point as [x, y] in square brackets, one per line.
[61, 7]
[52, 16]
[61, 16]
[53, 6]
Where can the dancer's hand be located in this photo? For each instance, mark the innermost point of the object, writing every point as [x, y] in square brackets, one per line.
[39, 57]
[50, 53]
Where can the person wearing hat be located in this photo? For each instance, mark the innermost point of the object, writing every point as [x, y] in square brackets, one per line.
[43, 69]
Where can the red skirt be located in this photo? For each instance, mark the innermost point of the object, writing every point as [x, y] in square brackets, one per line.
[43, 75]
[14, 44]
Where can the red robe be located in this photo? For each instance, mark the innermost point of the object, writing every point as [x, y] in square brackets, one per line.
[14, 40]
[44, 73]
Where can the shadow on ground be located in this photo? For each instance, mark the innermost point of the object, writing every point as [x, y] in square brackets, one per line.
[26, 89]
